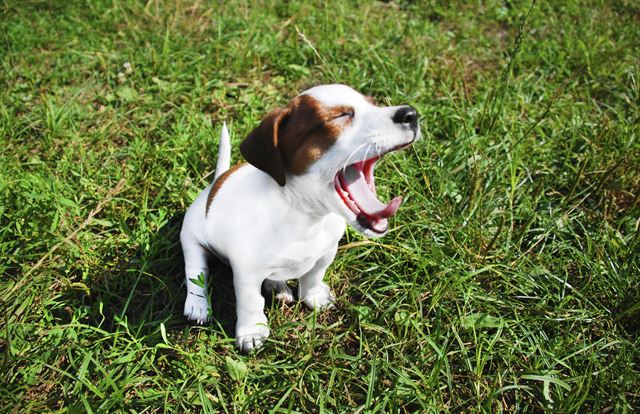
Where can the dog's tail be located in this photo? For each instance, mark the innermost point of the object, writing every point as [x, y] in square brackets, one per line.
[224, 153]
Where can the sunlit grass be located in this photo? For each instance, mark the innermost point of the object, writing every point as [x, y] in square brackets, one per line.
[510, 278]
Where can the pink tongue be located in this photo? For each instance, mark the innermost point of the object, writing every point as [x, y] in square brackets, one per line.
[367, 202]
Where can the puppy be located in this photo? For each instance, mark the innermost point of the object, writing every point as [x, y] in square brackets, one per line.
[280, 216]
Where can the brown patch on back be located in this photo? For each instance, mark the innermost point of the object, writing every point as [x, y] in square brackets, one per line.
[218, 184]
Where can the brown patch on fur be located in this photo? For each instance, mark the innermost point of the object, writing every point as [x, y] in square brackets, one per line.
[260, 148]
[292, 138]
[371, 100]
[309, 131]
[218, 184]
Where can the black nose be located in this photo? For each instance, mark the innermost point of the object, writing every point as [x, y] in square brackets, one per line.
[406, 115]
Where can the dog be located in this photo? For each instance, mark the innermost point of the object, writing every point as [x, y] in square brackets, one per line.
[280, 216]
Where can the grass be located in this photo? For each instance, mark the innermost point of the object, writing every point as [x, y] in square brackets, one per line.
[510, 279]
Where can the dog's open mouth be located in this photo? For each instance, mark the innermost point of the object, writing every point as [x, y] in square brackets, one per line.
[356, 187]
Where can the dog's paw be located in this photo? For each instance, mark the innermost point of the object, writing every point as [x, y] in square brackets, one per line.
[280, 289]
[318, 297]
[196, 308]
[251, 338]
[284, 297]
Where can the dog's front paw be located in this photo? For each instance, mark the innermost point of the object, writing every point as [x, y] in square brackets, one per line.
[196, 308]
[318, 297]
[251, 338]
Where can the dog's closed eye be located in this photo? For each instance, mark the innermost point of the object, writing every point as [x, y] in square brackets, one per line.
[345, 114]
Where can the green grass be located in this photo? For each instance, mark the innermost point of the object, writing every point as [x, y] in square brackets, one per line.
[510, 280]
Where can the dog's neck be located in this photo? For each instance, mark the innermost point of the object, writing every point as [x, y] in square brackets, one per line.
[308, 197]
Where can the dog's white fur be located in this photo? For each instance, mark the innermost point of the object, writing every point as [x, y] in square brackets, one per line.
[274, 233]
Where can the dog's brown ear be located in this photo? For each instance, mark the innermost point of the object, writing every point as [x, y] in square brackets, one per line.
[261, 150]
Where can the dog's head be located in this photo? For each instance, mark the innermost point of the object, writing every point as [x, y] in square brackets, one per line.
[325, 143]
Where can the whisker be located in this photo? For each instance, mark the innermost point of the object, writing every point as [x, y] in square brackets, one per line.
[353, 153]
[366, 153]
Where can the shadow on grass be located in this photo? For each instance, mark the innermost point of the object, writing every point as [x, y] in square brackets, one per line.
[146, 288]
[137, 291]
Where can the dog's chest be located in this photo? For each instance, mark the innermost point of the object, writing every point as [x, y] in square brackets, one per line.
[300, 254]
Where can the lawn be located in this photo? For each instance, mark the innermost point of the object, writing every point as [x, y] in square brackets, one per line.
[510, 279]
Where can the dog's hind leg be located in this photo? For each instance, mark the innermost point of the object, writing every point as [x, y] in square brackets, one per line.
[280, 289]
[196, 306]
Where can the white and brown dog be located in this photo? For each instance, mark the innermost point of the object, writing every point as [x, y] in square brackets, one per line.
[280, 216]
